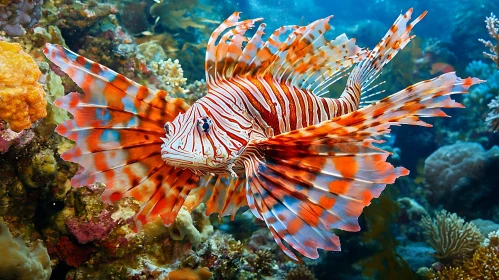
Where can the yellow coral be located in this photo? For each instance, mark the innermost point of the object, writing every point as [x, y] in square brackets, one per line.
[171, 75]
[452, 238]
[448, 273]
[484, 264]
[22, 99]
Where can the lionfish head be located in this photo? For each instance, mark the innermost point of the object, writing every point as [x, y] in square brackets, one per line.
[196, 141]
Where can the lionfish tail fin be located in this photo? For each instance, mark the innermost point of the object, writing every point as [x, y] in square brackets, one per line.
[305, 182]
[364, 73]
[117, 127]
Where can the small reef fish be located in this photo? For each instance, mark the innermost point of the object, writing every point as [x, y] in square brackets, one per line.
[262, 137]
[441, 67]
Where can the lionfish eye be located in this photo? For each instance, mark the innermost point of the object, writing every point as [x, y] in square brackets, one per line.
[204, 124]
[168, 128]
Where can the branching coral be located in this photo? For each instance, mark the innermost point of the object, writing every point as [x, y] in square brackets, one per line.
[22, 99]
[492, 24]
[15, 15]
[448, 273]
[451, 237]
[493, 116]
[484, 264]
[170, 74]
[492, 240]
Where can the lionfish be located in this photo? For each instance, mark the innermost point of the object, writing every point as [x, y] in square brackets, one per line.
[263, 137]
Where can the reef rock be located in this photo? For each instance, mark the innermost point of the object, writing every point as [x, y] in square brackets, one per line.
[462, 178]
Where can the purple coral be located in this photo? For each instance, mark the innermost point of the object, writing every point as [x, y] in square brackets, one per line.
[19, 14]
[95, 229]
[10, 138]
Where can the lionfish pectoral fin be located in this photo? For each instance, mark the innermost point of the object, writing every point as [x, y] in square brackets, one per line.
[303, 189]
[117, 126]
[308, 181]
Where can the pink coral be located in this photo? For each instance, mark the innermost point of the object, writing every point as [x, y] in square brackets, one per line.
[10, 138]
[95, 229]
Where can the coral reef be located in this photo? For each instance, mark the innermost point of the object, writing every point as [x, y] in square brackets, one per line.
[492, 24]
[16, 15]
[300, 273]
[55, 90]
[21, 262]
[80, 15]
[448, 273]
[196, 231]
[23, 98]
[451, 237]
[170, 75]
[484, 264]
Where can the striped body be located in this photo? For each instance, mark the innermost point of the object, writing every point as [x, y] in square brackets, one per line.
[279, 106]
[263, 135]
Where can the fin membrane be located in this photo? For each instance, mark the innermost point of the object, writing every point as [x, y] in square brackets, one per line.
[221, 194]
[297, 55]
[305, 182]
[117, 127]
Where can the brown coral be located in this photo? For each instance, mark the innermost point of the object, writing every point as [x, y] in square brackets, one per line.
[451, 237]
[22, 99]
[484, 264]
[448, 273]
[300, 273]
[263, 262]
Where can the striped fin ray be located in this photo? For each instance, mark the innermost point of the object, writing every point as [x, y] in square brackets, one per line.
[117, 127]
[302, 196]
[222, 194]
[368, 70]
[299, 56]
[307, 181]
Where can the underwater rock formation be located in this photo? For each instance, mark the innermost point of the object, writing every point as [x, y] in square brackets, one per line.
[23, 98]
[16, 15]
[458, 177]
[197, 231]
[20, 262]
